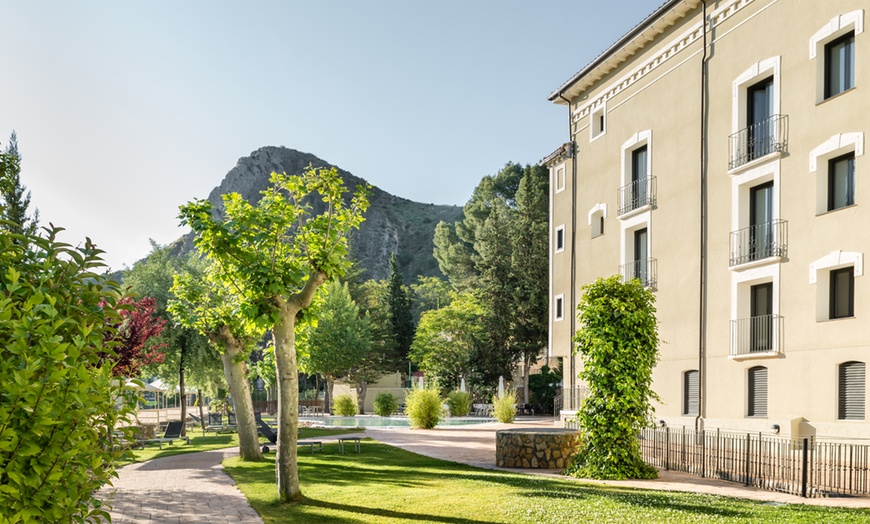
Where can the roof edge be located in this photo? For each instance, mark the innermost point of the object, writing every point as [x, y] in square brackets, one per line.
[616, 46]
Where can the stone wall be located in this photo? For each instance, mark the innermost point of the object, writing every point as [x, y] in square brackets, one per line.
[538, 448]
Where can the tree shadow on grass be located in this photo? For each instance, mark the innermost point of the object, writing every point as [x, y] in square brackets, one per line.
[374, 512]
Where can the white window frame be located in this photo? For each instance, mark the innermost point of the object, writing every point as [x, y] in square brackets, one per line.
[741, 186]
[834, 29]
[756, 73]
[836, 146]
[595, 215]
[626, 240]
[559, 178]
[557, 301]
[637, 141]
[596, 115]
[820, 271]
[556, 247]
[741, 285]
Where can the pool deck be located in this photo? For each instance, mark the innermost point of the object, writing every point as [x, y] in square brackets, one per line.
[475, 445]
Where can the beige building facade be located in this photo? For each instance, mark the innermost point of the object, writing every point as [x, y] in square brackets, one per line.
[716, 152]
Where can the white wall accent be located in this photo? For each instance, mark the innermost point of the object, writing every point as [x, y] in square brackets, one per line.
[756, 72]
[836, 260]
[835, 146]
[596, 209]
[836, 27]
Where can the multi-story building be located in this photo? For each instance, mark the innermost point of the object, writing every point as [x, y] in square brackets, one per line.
[715, 152]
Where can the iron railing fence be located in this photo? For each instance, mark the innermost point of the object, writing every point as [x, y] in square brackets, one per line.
[644, 270]
[768, 239]
[758, 140]
[637, 194]
[804, 467]
[759, 334]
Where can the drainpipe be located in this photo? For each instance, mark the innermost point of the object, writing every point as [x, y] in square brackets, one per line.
[702, 310]
[572, 155]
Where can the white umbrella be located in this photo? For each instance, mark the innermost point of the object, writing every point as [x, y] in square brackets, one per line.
[500, 387]
[421, 382]
[462, 385]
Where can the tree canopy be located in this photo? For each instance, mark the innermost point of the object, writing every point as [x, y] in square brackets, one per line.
[275, 255]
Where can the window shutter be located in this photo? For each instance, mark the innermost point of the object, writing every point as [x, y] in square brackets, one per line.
[691, 394]
[757, 392]
[852, 391]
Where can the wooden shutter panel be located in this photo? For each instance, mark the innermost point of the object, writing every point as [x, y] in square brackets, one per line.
[852, 391]
[757, 392]
[691, 395]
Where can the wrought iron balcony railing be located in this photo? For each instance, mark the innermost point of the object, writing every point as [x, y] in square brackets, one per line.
[637, 194]
[765, 137]
[643, 270]
[572, 397]
[752, 335]
[769, 239]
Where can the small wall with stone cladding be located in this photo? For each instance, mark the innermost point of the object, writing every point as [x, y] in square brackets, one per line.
[538, 448]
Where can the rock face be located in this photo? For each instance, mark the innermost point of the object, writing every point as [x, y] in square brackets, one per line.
[392, 225]
[539, 448]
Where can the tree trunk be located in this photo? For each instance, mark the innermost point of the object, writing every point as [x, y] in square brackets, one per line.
[201, 412]
[286, 466]
[181, 390]
[527, 364]
[327, 395]
[361, 388]
[236, 373]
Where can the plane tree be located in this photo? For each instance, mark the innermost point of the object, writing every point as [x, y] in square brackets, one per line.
[275, 255]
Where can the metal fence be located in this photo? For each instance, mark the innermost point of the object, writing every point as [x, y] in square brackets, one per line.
[768, 239]
[759, 334]
[636, 195]
[804, 467]
[758, 140]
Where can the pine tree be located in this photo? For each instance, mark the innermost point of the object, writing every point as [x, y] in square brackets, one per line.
[15, 197]
[401, 317]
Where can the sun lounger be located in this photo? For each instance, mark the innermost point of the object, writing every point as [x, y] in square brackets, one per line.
[267, 432]
[173, 432]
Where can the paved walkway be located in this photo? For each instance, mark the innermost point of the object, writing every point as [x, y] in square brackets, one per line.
[475, 445]
[180, 489]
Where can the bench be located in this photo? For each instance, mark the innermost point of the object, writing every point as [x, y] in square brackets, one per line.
[342, 440]
[310, 444]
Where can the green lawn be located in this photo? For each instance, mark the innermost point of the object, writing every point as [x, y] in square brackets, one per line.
[212, 441]
[389, 485]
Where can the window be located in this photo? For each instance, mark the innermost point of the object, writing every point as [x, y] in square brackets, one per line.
[637, 188]
[841, 181]
[834, 163]
[840, 65]
[842, 293]
[757, 392]
[560, 239]
[852, 389]
[559, 307]
[691, 393]
[560, 179]
[758, 129]
[597, 123]
[596, 219]
[761, 318]
[833, 49]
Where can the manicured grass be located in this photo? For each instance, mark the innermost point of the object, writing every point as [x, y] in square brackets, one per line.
[211, 441]
[389, 485]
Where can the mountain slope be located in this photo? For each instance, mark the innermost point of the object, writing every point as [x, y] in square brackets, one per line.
[392, 225]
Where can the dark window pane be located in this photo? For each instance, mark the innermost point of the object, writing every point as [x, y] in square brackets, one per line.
[840, 65]
[842, 292]
[841, 182]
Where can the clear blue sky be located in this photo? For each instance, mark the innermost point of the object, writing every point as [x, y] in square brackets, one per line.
[125, 110]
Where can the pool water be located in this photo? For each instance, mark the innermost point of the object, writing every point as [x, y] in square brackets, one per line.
[352, 422]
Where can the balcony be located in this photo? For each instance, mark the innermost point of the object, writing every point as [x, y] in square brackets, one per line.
[643, 270]
[758, 335]
[758, 242]
[636, 195]
[758, 140]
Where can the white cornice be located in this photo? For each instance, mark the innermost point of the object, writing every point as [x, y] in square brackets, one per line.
[668, 52]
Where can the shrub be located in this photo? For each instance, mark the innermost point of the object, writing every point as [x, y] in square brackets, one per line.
[385, 404]
[344, 406]
[505, 407]
[459, 402]
[58, 407]
[423, 407]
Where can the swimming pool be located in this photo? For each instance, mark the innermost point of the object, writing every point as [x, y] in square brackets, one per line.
[381, 422]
